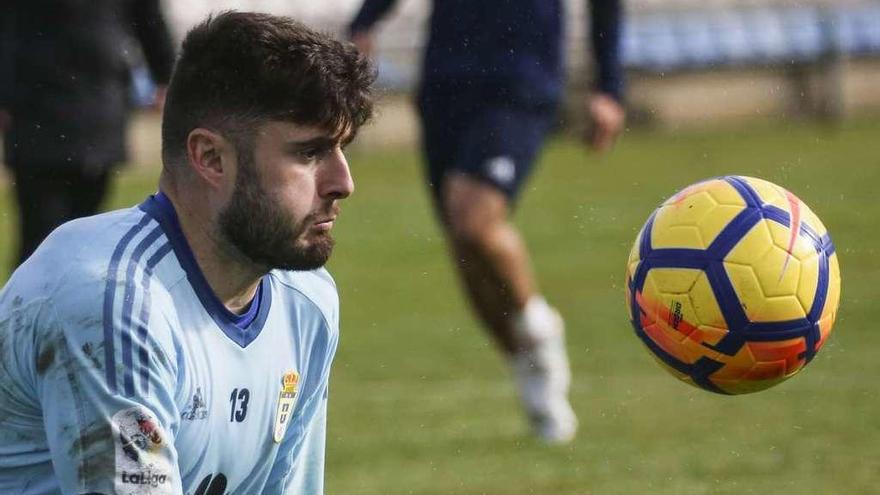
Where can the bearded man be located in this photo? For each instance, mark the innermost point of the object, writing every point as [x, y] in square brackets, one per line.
[184, 345]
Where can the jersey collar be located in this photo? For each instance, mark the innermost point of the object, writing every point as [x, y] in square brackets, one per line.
[241, 329]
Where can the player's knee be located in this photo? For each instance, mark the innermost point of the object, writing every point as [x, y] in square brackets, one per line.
[466, 229]
[473, 211]
[475, 228]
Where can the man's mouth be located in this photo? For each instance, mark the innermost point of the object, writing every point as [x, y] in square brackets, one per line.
[325, 224]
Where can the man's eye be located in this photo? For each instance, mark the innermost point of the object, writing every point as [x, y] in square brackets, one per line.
[310, 154]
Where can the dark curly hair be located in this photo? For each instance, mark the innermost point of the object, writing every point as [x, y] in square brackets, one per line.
[238, 69]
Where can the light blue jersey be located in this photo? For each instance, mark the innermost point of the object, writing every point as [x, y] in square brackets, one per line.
[121, 371]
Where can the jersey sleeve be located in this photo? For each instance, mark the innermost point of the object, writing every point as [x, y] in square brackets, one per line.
[105, 383]
[605, 32]
[307, 473]
[299, 466]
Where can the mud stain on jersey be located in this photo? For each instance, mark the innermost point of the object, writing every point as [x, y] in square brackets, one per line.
[45, 359]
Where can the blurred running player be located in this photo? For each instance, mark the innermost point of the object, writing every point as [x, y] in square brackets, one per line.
[491, 80]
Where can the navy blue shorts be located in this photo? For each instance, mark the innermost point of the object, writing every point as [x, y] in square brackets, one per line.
[494, 141]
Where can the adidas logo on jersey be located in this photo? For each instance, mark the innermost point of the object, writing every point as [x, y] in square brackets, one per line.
[196, 408]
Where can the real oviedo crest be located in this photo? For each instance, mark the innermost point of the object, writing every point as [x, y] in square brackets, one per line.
[286, 399]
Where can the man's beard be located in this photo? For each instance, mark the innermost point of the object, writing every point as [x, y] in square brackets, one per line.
[255, 225]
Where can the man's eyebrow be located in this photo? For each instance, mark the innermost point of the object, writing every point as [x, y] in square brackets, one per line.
[315, 142]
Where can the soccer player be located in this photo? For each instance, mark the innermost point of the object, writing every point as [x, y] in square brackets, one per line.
[184, 345]
[492, 77]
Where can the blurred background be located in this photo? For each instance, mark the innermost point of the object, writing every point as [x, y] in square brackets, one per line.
[784, 90]
[689, 62]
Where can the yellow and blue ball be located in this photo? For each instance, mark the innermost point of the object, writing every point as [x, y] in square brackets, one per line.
[733, 284]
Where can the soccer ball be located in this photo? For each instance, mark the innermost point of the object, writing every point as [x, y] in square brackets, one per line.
[733, 284]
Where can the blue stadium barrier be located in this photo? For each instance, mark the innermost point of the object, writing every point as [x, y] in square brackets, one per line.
[857, 31]
[703, 39]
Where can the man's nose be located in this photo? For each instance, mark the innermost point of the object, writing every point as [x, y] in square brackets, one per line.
[336, 181]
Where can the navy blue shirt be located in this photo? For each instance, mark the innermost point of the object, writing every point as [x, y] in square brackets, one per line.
[512, 47]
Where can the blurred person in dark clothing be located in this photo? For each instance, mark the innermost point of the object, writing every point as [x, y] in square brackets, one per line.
[65, 100]
[492, 78]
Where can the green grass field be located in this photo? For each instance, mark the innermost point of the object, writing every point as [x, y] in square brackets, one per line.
[422, 404]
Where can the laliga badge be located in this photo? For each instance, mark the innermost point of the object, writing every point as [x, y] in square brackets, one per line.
[142, 454]
[285, 404]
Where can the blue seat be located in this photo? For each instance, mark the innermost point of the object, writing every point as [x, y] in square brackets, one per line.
[707, 38]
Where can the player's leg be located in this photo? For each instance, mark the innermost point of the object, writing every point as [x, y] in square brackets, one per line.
[446, 114]
[89, 187]
[495, 157]
[48, 196]
[42, 196]
[489, 254]
[496, 272]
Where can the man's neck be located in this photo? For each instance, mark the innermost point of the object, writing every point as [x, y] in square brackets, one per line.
[233, 279]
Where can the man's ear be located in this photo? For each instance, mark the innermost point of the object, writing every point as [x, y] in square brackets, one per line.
[207, 155]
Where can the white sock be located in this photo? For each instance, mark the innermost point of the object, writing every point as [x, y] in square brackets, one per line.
[537, 321]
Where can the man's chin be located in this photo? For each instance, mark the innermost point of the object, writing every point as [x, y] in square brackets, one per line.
[304, 258]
